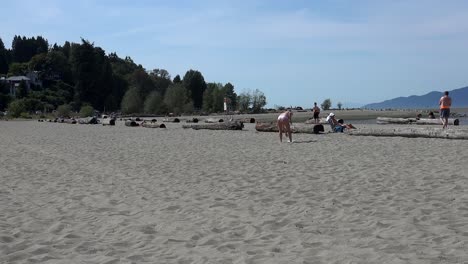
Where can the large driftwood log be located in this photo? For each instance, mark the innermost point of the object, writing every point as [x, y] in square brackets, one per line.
[296, 128]
[131, 123]
[171, 120]
[322, 121]
[234, 125]
[427, 121]
[214, 120]
[421, 121]
[411, 132]
[152, 125]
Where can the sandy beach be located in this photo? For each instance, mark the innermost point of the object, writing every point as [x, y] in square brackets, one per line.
[95, 194]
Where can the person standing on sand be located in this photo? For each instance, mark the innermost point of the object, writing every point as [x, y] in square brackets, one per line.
[445, 103]
[316, 111]
[284, 125]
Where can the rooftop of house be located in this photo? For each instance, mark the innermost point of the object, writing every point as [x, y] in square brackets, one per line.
[18, 78]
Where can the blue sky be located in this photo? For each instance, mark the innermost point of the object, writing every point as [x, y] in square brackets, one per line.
[295, 51]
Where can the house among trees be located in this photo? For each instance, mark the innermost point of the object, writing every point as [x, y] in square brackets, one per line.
[14, 82]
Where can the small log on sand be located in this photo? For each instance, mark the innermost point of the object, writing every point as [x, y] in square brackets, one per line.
[108, 122]
[69, 121]
[193, 120]
[131, 123]
[296, 128]
[214, 120]
[172, 120]
[250, 120]
[234, 125]
[422, 121]
[153, 125]
[411, 132]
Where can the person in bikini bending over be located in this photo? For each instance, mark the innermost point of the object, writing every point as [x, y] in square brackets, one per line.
[284, 125]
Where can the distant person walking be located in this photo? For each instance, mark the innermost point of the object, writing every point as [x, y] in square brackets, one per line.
[445, 103]
[316, 111]
[284, 125]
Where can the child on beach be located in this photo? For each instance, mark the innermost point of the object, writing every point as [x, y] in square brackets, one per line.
[316, 111]
[284, 125]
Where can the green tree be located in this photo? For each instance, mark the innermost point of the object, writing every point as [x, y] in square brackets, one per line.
[3, 58]
[208, 97]
[23, 49]
[92, 74]
[326, 104]
[64, 110]
[231, 95]
[86, 110]
[177, 79]
[258, 101]
[154, 104]
[339, 104]
[142, 81]
[16, 107]
[22, 90]
[218, 98]
[52, 66]
[176, 98]
[17, 69]
[243, 101]
[196, 86]
[132, 102]
[161, 80]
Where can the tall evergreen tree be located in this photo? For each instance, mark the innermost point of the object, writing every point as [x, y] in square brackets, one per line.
[195, 85]
[92, 73]
[3, 59]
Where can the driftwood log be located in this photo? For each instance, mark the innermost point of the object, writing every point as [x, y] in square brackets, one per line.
[322, 121]
[69, 121]
[108, 122]
[88, 120]
[193, 120]
[152, 125]
[234, 125]
[250, 120]
[411, 132]
[421, 121]
[296, 128]
[172, 120]
[131, 123]
[214, 120]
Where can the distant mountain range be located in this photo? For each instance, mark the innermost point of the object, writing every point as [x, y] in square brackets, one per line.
[430, 100]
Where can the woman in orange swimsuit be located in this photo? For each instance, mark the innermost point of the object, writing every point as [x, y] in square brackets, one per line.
[284, 125]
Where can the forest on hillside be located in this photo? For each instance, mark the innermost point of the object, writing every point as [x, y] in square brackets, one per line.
[83, 77]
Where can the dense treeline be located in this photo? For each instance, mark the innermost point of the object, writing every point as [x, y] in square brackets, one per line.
[77, 75]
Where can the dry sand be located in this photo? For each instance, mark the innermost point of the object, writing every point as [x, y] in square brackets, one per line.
[94, 194]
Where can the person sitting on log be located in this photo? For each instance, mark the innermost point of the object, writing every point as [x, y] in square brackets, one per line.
[431, 115]
[284, 125]
[337, 125]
